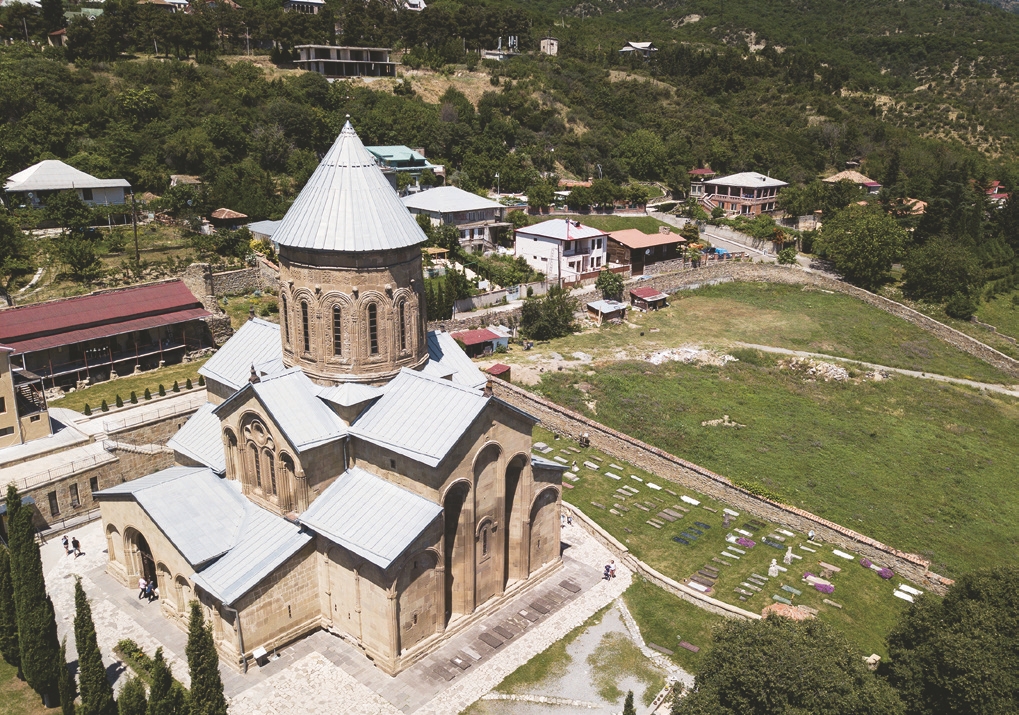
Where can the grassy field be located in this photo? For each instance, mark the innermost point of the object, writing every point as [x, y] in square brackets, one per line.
[16, 698]
[238, 307]
[922, 466]
[123, 386]
[869, 609]
[1003, 313]
[781, 316]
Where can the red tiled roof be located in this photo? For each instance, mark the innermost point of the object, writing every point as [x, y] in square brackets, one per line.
[701, 172]
[635, 238]
[89, 317]
[475, 337]
[227, 214]
[498, 369]
[648, 293]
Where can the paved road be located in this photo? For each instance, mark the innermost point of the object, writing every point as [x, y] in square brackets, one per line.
[1012, 390]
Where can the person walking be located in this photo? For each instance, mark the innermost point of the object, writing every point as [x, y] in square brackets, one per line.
[67, 545]
[142, 584]
[76, 546]
[148, 591]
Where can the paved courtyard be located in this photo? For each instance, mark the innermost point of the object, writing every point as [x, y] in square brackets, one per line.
[323, 673]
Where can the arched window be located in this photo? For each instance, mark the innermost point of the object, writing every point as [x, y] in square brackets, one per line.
[270, 464]
[373, 329]
[403, 325]
[305, 326]
[258, 466]
[286, 321]
[484, 541]
[337, 331]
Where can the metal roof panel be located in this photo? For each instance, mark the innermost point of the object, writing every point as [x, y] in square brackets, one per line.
[257, 342]
[200, 439]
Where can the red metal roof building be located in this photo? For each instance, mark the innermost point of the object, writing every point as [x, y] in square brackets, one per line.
[88, 336]
[479, 342]
[647, 298]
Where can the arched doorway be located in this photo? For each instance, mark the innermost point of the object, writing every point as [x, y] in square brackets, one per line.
[514, 531]
[545, 528]
[458, 557]
[139, 556]
[488, 547]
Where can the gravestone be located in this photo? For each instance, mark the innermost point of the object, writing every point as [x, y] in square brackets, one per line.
[773, 569]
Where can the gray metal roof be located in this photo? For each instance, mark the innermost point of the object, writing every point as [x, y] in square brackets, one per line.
[52, 175]
[257, 342]
[442, 348]
[199, 439]
[348, 205]
[263, 543]
[201, 514]
[420, 416]
[292, 401]
[349, 394]
[370, 516]
[264, 228]
[747, 180]
[448, 199]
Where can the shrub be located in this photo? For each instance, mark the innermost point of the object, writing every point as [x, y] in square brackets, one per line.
[188, 385]
[120, 402]
[176, 386]
[201, 380]
[148, 394]
[961, 307]
[134, 398]
[162, 390]
[787, 256]
[88, 410]
[105, 407]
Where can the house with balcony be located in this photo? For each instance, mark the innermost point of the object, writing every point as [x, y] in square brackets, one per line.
[744, 194]
[33, 185]
[307, 7]
[563, 249]
[402, 159]
[346, 61]
[697, 179]
[479, 220]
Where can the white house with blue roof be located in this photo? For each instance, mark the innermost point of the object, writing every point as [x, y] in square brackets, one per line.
[351, 471]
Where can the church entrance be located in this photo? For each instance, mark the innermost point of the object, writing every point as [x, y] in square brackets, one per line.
[458, 557]
[514, 523]
[143, 563]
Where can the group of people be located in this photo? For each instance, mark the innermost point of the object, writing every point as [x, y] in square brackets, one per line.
[71, 546]
[610, 570]
[147, 589]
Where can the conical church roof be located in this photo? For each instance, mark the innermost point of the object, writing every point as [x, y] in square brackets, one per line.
[348, 205]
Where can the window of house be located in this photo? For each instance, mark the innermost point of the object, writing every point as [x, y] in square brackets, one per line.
[3, 405]
[305, 326]
[54, 505]
[93, 484]
[86, 194]
[6, 431]
[484, 541]
[75, 501]
[337, 331]
[403, 325]
[373, 329]
[286, 321]
[258, 466]
[33, 418]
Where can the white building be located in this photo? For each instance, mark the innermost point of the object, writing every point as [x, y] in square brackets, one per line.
[308, 7]
[476, 217]
[414, 5]
[36, 182]
[747, 194]
[562, 249]
[549, 46]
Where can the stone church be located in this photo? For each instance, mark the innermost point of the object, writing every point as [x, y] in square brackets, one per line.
[351, 471]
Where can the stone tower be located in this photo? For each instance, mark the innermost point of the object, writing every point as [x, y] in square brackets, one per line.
[352, 305]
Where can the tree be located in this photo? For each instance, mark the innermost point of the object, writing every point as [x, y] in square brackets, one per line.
[540, 195]
[132, 699]
[957, 654]
[940, 269]
[65, 683]
[548, 316]
[53, 14]
[628, 708]
[37, 626]
[604, 193]
[79, 255]
[203, 664]
[610, 285]
[580, 198]
[861, 242]
[166, 696]
[643, 155]
[637, 194]
[13, 255]
[777, 665]
[787, 256]
[96, 693]
[8, 618]
[71, 213]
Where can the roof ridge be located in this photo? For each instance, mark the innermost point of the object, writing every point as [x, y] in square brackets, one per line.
[438, 381]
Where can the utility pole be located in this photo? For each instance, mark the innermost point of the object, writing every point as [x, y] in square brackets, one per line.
[134, 222]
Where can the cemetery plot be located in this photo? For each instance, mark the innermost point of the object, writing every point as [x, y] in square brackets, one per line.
[737, 558]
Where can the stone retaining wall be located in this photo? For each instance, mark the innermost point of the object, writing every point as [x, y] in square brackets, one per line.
[794, 275]
[667, 466]
[466, 321]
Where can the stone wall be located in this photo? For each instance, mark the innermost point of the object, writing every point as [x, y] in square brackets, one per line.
[772, 273]
[467, 321]
[667, 466]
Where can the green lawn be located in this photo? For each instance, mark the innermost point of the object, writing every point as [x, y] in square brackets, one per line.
[781, 316]
[16, 698]
[238, 307]
[1003, 313]
[869, 609]
[123, 386]
[922, 466]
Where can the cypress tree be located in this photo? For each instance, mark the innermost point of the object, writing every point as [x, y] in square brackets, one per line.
[628, 708]
[201, 380]
[37, 626]
[188, 384]
[66, 683]
[162, 390]
[166, 696]
[134, 398]
[88, 410]
[8, 619]
[148, 394]
[203, 664]
[132, 698]
[176, 386]
[104, 407]
[120, 401]
[96, 693]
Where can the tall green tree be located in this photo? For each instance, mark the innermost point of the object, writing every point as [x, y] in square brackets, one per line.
[166, 696]
[610, 285]
[71, 213]
[37, 626]
[65, 683]
[13, 255]
[777, 665]
[958, 655]
[96, 692]
[53, 14]
[941, 268]
[131, 700]
[8, 617]
[540, 195]
[548, 316]
[203, 664]
[862, 243]
[628, 708]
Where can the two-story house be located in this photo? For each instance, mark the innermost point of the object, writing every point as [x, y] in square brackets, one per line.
[476, 218]
[47, 177]
[562, 249]
[747, 193]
